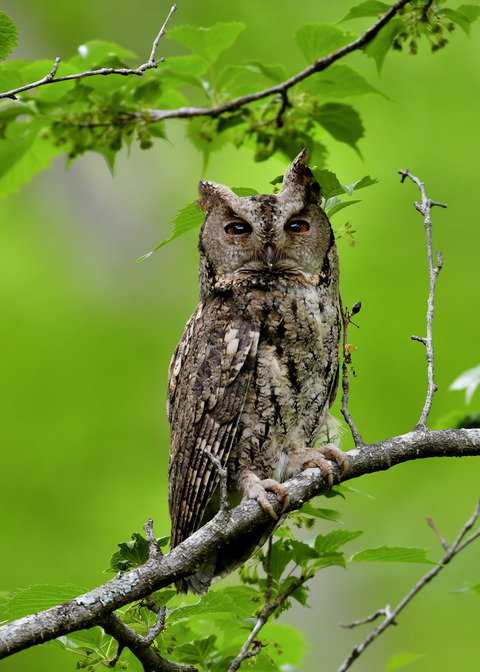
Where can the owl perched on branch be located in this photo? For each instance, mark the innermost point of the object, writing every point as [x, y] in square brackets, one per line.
[256, 371]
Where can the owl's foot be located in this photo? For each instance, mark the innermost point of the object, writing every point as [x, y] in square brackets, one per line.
[253, 487]
[320, 458]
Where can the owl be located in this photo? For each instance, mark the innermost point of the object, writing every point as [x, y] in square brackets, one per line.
[256, 371]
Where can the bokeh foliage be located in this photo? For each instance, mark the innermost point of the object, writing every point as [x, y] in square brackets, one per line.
[87, 334]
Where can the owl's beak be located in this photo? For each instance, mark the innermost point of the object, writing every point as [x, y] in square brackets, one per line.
[270, 257]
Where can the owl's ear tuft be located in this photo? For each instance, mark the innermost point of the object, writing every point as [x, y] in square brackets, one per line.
[208, 194]
[298, 176]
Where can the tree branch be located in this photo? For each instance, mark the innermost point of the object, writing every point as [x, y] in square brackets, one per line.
[391, 615]
[51, 78]
[91, 608]
[189, 112]
[425, 208]
[319, 65]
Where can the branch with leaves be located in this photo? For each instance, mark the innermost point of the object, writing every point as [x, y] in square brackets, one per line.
[73, 108]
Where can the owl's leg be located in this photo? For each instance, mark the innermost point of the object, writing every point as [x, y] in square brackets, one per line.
[253, 487]
[320, 457]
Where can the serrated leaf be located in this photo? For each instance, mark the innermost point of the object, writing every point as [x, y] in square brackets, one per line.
[471, 11]
[302, 552]
[97, 53]
[190, 217]
[469, 381]
[279, 559]
[196, 652]
[23, 153]
[458, 17]
[276, 73]
[392, 554]
[342, 122]
[163, 596]
[401, 659]
[368, 8]
[329, 183]
[338, 81]
[187, 65]
[325, 543]
[8, 36]
[365, 181]
[383, 41]
[320, 39]
[38, 598]
[208, 43]
[316, 512]
[332, 210]
[226, 600]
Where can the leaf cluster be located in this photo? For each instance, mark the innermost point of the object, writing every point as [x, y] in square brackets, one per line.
[104, 113]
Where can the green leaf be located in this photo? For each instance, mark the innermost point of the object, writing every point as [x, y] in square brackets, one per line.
[329, 183]
[468, 381]
[197, 652]
[302, 552]
[316, 512]
[335, 539]
[38, 598]
[331, 211]
[320, 39]
[292, 647]
[338, 81]
[208, 43]
[276, 73]
[365, 181]
[225, 600]
[131, 554]
[368, 8]
[279, 559]
[460, 18]
[8, 35]
[97, 54]
[471, 11]
[190, 217]
[392, 554]
[23, 153]
[402, 659]
[342, 122]
[383, 41]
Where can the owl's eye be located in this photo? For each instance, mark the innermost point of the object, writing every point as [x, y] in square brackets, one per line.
[297, 226]
[237, 228]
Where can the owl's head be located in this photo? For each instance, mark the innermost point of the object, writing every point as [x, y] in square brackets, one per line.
[285, 234]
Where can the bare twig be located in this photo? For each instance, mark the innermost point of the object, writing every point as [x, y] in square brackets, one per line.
[267, 611]
[425, 208]
[51, 78]
[445, 545]
[154, 548]
[346, 361]
[368, 619]
[458, 546]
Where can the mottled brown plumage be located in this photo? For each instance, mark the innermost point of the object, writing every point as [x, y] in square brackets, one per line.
[256, 371]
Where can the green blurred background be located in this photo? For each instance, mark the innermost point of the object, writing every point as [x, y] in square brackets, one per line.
[86, 335]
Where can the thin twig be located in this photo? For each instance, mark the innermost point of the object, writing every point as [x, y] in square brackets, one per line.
[346, 361]
[425, 208]
[368, 619]
[267, 611]
[154, 548]
[51, 78]
[445, 545]
[452, 551]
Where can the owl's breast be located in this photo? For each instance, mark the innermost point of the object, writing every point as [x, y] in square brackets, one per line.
[295, 374]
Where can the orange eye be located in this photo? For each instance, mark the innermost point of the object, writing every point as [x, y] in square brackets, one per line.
[297, 226]
[237, 228]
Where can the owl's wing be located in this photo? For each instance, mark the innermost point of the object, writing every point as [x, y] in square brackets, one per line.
[208, 381]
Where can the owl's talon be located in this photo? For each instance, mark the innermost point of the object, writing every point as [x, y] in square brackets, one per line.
[320, 458]
[254, 488]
